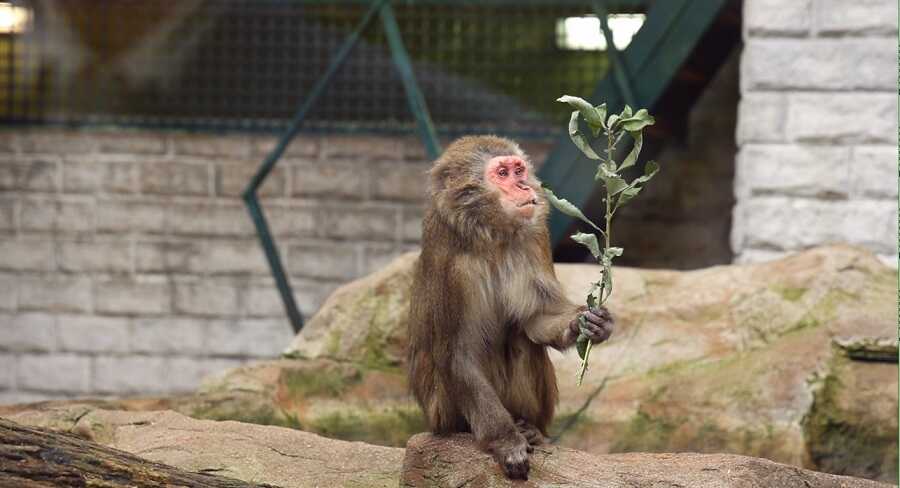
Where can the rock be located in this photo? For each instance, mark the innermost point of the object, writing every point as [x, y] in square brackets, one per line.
[455, 461]
[736, 359]
[252, 453]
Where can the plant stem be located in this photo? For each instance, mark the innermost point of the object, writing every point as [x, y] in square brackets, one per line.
[604, 294]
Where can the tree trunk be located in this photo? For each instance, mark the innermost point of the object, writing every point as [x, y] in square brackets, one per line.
[32, 458]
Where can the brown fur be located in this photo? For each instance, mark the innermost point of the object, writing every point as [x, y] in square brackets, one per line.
[485, 303]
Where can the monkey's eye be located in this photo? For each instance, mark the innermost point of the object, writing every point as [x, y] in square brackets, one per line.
[519, 171]
[503, 172]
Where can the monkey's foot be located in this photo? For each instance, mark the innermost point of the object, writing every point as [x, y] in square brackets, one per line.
[532, 434]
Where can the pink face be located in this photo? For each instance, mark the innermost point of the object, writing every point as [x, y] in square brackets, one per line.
[508, 174]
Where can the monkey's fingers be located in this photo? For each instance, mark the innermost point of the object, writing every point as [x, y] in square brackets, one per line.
[597, 333]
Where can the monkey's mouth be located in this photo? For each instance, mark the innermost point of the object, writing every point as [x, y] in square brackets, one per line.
[528, 203]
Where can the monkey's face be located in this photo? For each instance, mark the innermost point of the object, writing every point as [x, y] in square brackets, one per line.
[509, 177]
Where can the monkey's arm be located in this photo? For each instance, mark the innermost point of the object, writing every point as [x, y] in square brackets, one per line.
[558, 326]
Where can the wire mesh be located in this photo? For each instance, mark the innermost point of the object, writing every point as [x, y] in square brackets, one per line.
[247, 64]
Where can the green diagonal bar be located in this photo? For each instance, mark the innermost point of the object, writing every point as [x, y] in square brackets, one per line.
[250, 193]
[414, 97]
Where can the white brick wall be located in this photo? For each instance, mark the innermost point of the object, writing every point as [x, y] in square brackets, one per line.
[817, 128]
[129, 265]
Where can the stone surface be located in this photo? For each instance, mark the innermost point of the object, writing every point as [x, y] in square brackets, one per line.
[456, 461]
[753, 342]
[253, 453]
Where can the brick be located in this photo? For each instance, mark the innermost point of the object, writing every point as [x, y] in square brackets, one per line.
[207, 298]
[7, 214]
[860, 17]
[130, 142]
[8, 291]
[64, 216]
[124, 216]
[55, 142]
[265, 301]
[169, 178]
[330, 180]
[196, 219]
[29, 175]
[55, 293]
[791, 224]
[229, 257]
[99, 176]
[777, 18]
[874, 172]
[404, 182]
[67, 373]
[106, 256]
[261, 338]
[761, 118]
[300, 146]
[28, 332]
[324, 260]
[129, 374]
[8, 139]
[8, 371]
[378, 256]
[233, 177]
[187, 374]
[169, 336]
[22, 397]
[166, 256]
[364, 222]
[292, 220]
[840, 118]
[411, 224]
[26, 254]
[362, 148]
[88, 334]
[820, 64]
[135, 296]
[809, 171]
[212, 145]
[310, 295]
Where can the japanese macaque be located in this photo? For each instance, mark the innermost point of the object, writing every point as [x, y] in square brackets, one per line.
[486, 303]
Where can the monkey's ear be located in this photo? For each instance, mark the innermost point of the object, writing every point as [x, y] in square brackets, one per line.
[437, 178]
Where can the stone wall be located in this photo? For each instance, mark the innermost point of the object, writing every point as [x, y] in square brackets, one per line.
[129, 264]
[817, 127]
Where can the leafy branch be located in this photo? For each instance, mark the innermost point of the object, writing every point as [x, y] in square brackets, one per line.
[617, 191]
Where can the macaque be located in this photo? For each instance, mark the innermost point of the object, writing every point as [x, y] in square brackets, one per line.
[485, 303]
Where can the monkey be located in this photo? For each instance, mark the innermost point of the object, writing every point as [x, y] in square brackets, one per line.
[485, 303]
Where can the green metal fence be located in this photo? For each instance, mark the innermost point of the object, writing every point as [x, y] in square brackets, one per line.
[483, 66]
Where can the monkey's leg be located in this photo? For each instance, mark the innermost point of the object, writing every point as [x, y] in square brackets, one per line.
[532, 434]
[490, 421]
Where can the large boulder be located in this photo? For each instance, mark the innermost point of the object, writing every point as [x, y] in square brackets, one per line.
[793, 360]
[456, 461]
[253, 453]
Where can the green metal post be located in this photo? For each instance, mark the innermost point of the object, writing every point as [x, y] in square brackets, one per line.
[619, 71]
[413, 95]
[250, 193]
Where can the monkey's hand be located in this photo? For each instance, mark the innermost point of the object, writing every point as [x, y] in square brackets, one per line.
[511, 453]
[598, 324]
[532, 434]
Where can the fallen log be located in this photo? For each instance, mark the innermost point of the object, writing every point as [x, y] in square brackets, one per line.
[39, 458]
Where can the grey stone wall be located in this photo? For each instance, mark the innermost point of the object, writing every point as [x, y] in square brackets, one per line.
[128, 263]
[817, 127]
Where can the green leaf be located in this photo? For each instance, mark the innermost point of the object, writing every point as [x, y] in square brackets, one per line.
[627, 194]
[613, 252]
[626, 112]
[635, 150]
[638, 121]
[611, 122]
[601, 113]
[614, 185]
[650, 169]
[582, 342]
[589, 241]
[567, 207]
[591, 115]
[579, 139]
